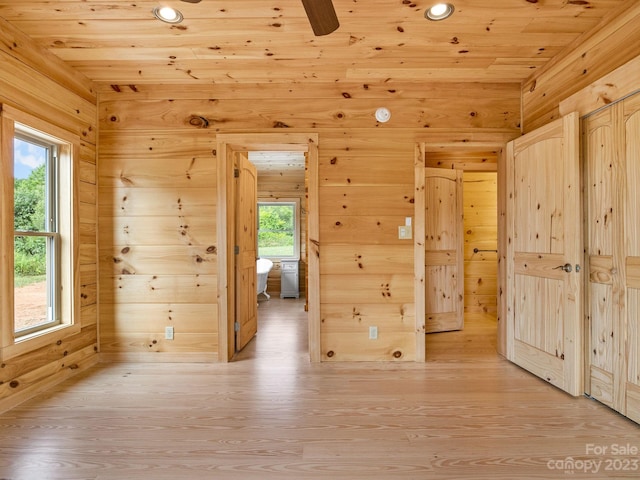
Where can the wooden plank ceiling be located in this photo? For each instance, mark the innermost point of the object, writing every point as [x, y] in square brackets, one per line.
[257, 41]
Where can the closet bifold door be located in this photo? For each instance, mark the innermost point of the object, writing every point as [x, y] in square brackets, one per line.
[611, 153]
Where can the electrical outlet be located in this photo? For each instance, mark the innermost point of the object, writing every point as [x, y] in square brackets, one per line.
[373, 333]
[168, 333]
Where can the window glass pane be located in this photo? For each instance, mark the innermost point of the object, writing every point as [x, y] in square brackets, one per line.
[276, 230]
[31, 299]
[34, 254]
[30, 192]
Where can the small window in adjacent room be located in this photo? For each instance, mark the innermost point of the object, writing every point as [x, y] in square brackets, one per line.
[278, 229]
[36, 254]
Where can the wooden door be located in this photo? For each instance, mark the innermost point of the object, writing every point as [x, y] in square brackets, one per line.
[612, 171]
[631, 263]
[604, 181]
[246, 322]
[444, 263]
[544, 254]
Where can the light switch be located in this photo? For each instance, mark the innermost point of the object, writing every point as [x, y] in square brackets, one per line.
[404, 232]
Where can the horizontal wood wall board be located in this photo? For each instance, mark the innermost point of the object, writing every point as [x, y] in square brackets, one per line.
[158, 289]
[312, 113]
[159, 260]
[353, 317]
[148, 172]
[485, 285]
[30, 363]
[618, 84]
[364, 170]
[87, 232]
[87, 213]
[158, 230]
[87, 254]
[89, 315]
[87, 171]
[348, 347]
[144, 317]
[156, 145]
[87, 193]
[48, 376]
[380, 288]
[156, 202]
[362, 201]
[351, 230]
[366, 259]
[148, 342]
[158, 357]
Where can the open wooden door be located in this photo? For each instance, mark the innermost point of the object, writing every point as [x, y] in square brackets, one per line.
[444, 262]
[246, 323]
[545, 253]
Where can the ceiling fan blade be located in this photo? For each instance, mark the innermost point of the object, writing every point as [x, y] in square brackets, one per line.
[192, 1]
[322, 16]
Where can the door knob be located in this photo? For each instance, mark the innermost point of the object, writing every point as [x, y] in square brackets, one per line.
[566, 267]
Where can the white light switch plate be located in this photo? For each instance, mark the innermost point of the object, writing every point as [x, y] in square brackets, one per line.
[404, 232]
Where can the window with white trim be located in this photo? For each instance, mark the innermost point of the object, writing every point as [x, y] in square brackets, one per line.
[279, 229]
[36, 251]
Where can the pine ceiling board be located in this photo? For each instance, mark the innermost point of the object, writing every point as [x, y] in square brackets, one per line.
[297, 90]
[119, 41]
[141, 9]
[492, 74]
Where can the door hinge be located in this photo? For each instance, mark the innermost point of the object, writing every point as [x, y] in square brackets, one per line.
[236, 173]
[236, 250]
[236, 326]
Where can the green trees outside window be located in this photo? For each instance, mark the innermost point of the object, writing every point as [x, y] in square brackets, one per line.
[277, 232]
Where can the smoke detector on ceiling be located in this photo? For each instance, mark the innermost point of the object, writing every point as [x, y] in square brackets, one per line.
[383, 114]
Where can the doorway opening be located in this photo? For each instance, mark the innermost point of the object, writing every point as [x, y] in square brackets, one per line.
[269, 154]
[459, 296]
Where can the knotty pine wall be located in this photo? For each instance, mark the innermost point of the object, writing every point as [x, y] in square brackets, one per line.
[39, 84]
[480, 198]
[158, 169]
[285, 184]
[591, 56]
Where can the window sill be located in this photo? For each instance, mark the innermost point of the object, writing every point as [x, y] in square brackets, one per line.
[43, 338]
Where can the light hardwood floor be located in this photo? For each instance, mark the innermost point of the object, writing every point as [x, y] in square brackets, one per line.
[271, 414]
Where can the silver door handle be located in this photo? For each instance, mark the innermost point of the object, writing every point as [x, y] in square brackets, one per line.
[566, 267]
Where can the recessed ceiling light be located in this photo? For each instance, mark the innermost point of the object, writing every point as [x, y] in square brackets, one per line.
[439, 11]
[167, 14]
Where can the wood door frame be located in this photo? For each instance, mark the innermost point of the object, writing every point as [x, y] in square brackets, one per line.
[228, 144]
[421, 151]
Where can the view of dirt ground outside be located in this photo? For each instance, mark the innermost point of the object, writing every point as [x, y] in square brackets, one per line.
[30, 305]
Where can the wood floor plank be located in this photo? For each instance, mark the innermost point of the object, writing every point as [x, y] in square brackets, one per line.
[271, 414]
